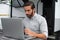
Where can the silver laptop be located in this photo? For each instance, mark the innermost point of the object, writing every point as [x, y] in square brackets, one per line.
[13, 28]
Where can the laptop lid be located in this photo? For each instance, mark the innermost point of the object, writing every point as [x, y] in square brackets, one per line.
[13, 27]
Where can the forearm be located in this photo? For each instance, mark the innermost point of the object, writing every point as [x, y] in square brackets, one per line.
[42, 36]
[31, 33]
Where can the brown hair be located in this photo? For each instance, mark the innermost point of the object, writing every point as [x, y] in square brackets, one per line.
[29, 3]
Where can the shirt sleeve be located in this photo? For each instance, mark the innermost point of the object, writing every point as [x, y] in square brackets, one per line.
[43, 27]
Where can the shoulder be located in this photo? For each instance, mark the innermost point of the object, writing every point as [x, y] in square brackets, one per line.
[24, 19]
[39, 17]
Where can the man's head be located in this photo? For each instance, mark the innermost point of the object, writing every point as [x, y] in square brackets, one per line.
[29, 8]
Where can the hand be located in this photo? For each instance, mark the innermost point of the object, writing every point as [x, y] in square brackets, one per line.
[29, 32]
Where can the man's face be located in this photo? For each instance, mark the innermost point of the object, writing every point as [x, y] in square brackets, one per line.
[29, 11]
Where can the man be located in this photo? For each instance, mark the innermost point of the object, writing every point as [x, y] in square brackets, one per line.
[35, 25]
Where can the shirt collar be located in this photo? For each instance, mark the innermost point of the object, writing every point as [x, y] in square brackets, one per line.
[34, 16]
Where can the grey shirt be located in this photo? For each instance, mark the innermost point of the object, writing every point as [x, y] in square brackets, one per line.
[36, 24]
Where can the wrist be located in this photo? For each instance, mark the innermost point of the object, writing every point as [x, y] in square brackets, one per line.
[36, 35]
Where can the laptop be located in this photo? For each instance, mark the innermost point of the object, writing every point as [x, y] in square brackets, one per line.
[13, 28]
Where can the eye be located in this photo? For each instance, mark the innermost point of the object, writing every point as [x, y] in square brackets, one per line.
[28, 10]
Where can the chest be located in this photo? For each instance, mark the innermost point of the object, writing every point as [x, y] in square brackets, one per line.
[33, 25]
